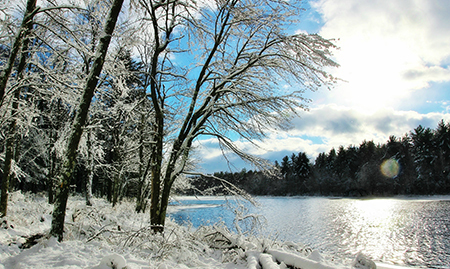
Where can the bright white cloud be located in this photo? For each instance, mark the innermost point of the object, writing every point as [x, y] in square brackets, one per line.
[388, 49]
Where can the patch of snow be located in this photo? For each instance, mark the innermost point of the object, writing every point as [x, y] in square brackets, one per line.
[297, 260]
[315, 256]
[113, 261]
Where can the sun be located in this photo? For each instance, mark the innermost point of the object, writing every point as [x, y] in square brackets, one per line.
[373, 74]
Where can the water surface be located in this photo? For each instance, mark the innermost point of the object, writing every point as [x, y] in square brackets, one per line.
[405, 231]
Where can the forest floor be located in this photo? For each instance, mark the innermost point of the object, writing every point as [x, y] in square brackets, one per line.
[104, 237]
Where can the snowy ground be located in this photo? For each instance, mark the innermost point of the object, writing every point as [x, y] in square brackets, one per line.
[103, 237]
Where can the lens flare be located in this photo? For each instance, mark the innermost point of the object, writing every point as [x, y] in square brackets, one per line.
[390, 168]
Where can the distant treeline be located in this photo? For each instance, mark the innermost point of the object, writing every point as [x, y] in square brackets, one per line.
[423, 158]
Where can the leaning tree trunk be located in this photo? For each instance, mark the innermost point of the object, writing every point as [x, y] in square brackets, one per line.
[10, 139]
[59, 210]
[24, 30]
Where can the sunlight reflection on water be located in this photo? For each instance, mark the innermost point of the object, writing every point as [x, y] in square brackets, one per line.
[398, 231]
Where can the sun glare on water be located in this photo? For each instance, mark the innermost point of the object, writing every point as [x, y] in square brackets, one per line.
[373, 224]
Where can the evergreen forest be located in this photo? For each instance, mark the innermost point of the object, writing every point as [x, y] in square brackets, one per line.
[422, 157]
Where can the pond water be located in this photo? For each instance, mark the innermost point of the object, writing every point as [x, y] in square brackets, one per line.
[403, 231]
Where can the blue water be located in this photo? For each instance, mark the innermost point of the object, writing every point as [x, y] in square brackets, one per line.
[404, 231]
[202, 212]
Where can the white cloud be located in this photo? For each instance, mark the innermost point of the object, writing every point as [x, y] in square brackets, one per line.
[424, 74]
[352, 126]
[388, 49]
[330, 126]
[208, 148]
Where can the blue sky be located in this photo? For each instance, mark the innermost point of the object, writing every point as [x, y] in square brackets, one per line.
[394, 58]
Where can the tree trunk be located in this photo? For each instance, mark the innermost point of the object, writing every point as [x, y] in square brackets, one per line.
[51, 170]
[142, 186]
[91, 169]
[7, 169]
[109, 187]
[116, 189]
[10, 139]
[117, 161]
[89, 184]
[69, 160]
[156, 216]
[163, 207]
[13, 182]
[24, 30]
[141, 204]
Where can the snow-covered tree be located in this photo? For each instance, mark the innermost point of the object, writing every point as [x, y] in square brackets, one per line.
[79, 121]
[124, 116]
[239, 55]
[21, 41]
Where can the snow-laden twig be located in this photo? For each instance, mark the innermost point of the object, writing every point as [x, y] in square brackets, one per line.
[102, 230]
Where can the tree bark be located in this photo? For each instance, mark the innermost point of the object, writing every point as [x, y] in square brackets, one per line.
[155, 203]
[90, 168]
[157, 217]
[79, 122]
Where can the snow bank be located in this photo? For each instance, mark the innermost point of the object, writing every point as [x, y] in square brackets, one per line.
[103, 237]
